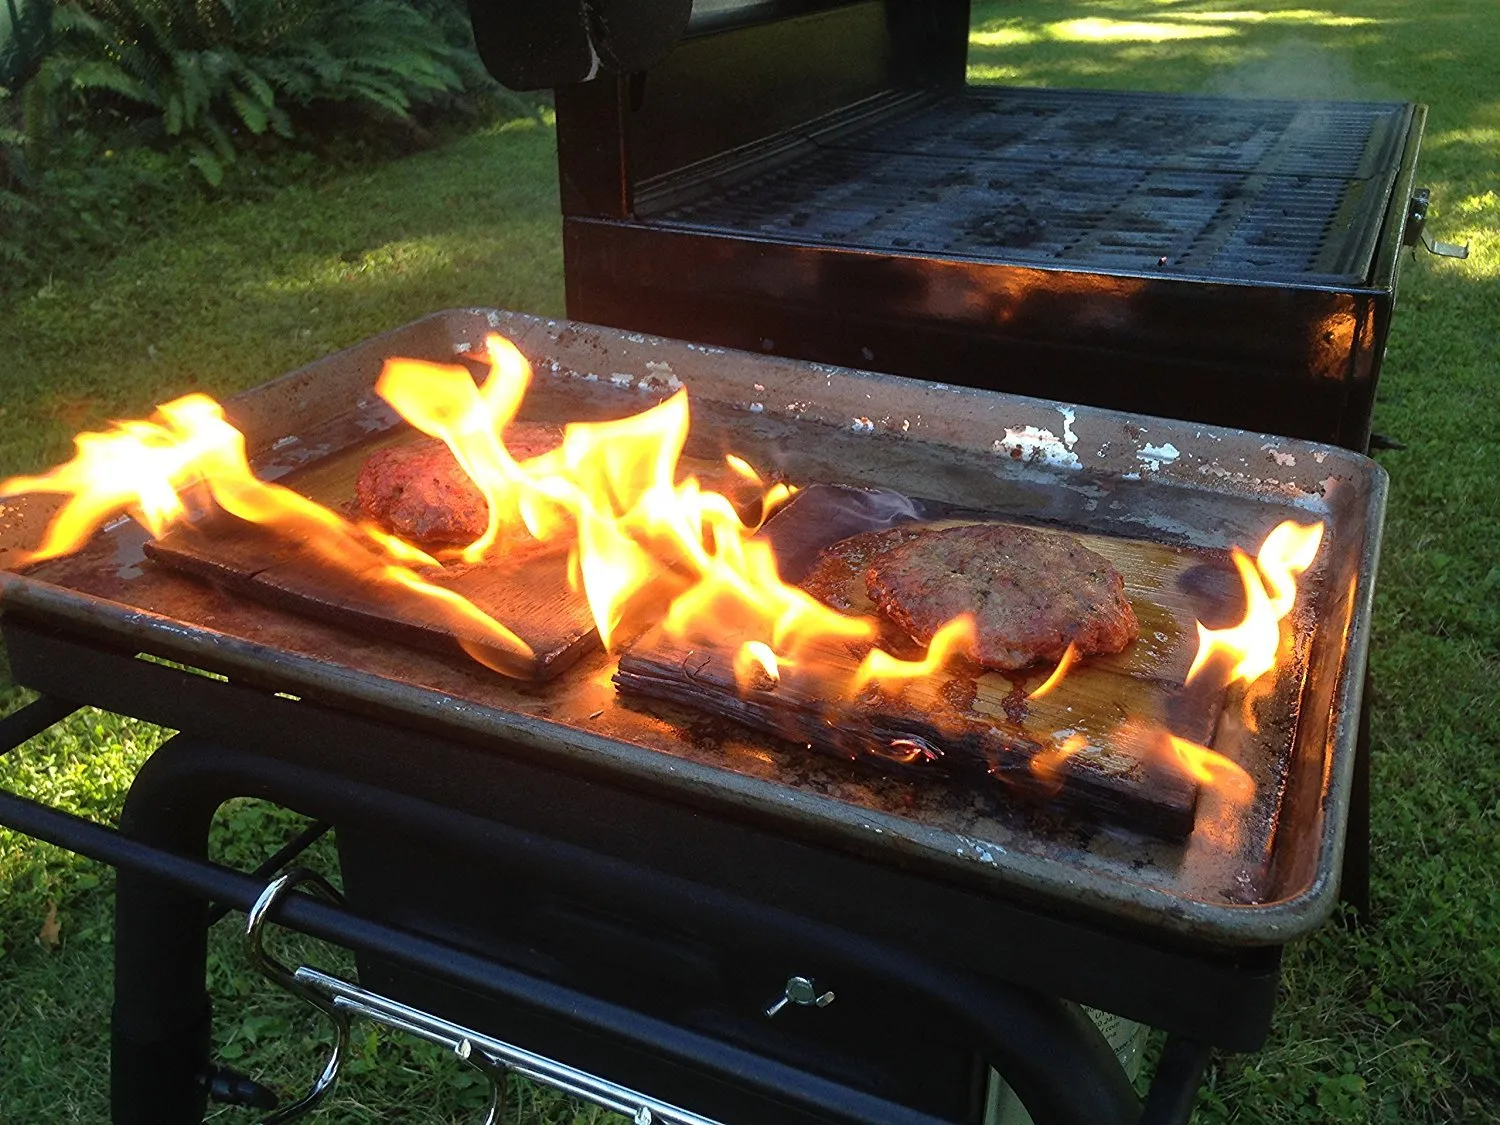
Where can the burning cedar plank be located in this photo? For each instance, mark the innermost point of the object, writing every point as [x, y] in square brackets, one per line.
[528, 592]
[983, 725]
[1166, 586]
[921, 733]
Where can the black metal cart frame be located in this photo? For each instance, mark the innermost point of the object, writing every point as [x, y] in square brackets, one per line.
[239, 741]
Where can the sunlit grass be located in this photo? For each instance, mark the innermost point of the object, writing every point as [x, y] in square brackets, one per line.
[1098, 29]
[1316, 17]
[1165, 26]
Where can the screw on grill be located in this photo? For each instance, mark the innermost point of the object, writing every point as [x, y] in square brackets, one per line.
[800, 990]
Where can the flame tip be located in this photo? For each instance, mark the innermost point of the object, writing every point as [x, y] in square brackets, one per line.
[1270, 586]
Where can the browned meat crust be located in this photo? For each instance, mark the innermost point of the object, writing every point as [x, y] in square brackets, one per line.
[420, 492]
[1031, 592]
[831, 579]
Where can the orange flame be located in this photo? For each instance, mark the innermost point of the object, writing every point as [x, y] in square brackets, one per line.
[755, 665]
[143, 467]
[139, 466]
[1287, 552]
[1270, 592]
[1070, 654]
[743, 468]
[1212, 769]
[1047, 766]
[1227, 792]
[771, 498]
[956, 637]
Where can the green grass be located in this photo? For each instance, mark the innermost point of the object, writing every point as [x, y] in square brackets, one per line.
[252, 288]
[1399, 1023]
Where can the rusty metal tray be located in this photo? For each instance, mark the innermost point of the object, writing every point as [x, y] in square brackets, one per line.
[1092, 470]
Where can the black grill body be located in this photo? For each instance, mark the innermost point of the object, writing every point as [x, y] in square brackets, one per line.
[821, 184]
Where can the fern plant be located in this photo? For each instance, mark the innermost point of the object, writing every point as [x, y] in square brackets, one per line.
[206, 70]
[13, 205]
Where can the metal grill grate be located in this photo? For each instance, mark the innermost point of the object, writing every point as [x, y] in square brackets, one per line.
[1252, 190]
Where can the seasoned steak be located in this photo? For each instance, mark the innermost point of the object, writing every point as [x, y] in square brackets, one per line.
[421, 493]
[832, 578]
[1031, 592]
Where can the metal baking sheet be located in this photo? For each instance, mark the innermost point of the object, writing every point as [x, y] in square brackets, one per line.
[1098, 471]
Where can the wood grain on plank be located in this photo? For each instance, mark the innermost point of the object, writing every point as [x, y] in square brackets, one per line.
[923, 730]
[527, 593]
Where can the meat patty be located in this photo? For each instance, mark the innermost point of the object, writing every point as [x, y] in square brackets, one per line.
[421, 493]
[1031, 592]
[832, 577]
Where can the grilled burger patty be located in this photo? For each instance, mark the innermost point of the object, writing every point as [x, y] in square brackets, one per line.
[1031, 592]
[421, 493]
[839, 564]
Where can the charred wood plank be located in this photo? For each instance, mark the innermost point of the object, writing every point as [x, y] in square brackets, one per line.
[978, 728]
[528, 593]
[922, 732]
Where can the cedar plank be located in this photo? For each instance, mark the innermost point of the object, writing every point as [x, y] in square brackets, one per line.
[529, 594]
[1106, 787]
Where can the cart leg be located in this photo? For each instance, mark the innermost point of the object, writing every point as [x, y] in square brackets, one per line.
[159, 1033]
[1174, 1089]
[1354, 886]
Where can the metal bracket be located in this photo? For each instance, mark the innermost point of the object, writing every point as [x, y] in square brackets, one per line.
[1444, 249]
[1416, 228]
[494, 1058]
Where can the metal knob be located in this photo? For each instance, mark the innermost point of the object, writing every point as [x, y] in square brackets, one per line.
[800, 990]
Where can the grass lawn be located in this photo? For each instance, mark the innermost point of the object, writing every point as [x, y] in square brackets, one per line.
[1397, 1024]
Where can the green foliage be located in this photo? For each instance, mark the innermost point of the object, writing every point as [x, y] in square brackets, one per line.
[82, 204]
[25, 34]
[210, 75]
[14, 207]
[10, 136]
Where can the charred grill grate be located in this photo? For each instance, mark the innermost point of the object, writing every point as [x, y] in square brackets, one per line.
[1240, 190]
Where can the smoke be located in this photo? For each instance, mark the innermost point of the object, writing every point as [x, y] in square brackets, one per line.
[822, 514]
[1298, 70]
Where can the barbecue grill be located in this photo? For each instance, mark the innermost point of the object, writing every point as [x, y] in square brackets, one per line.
[551, 865]
[820, 183]
[661, 911]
